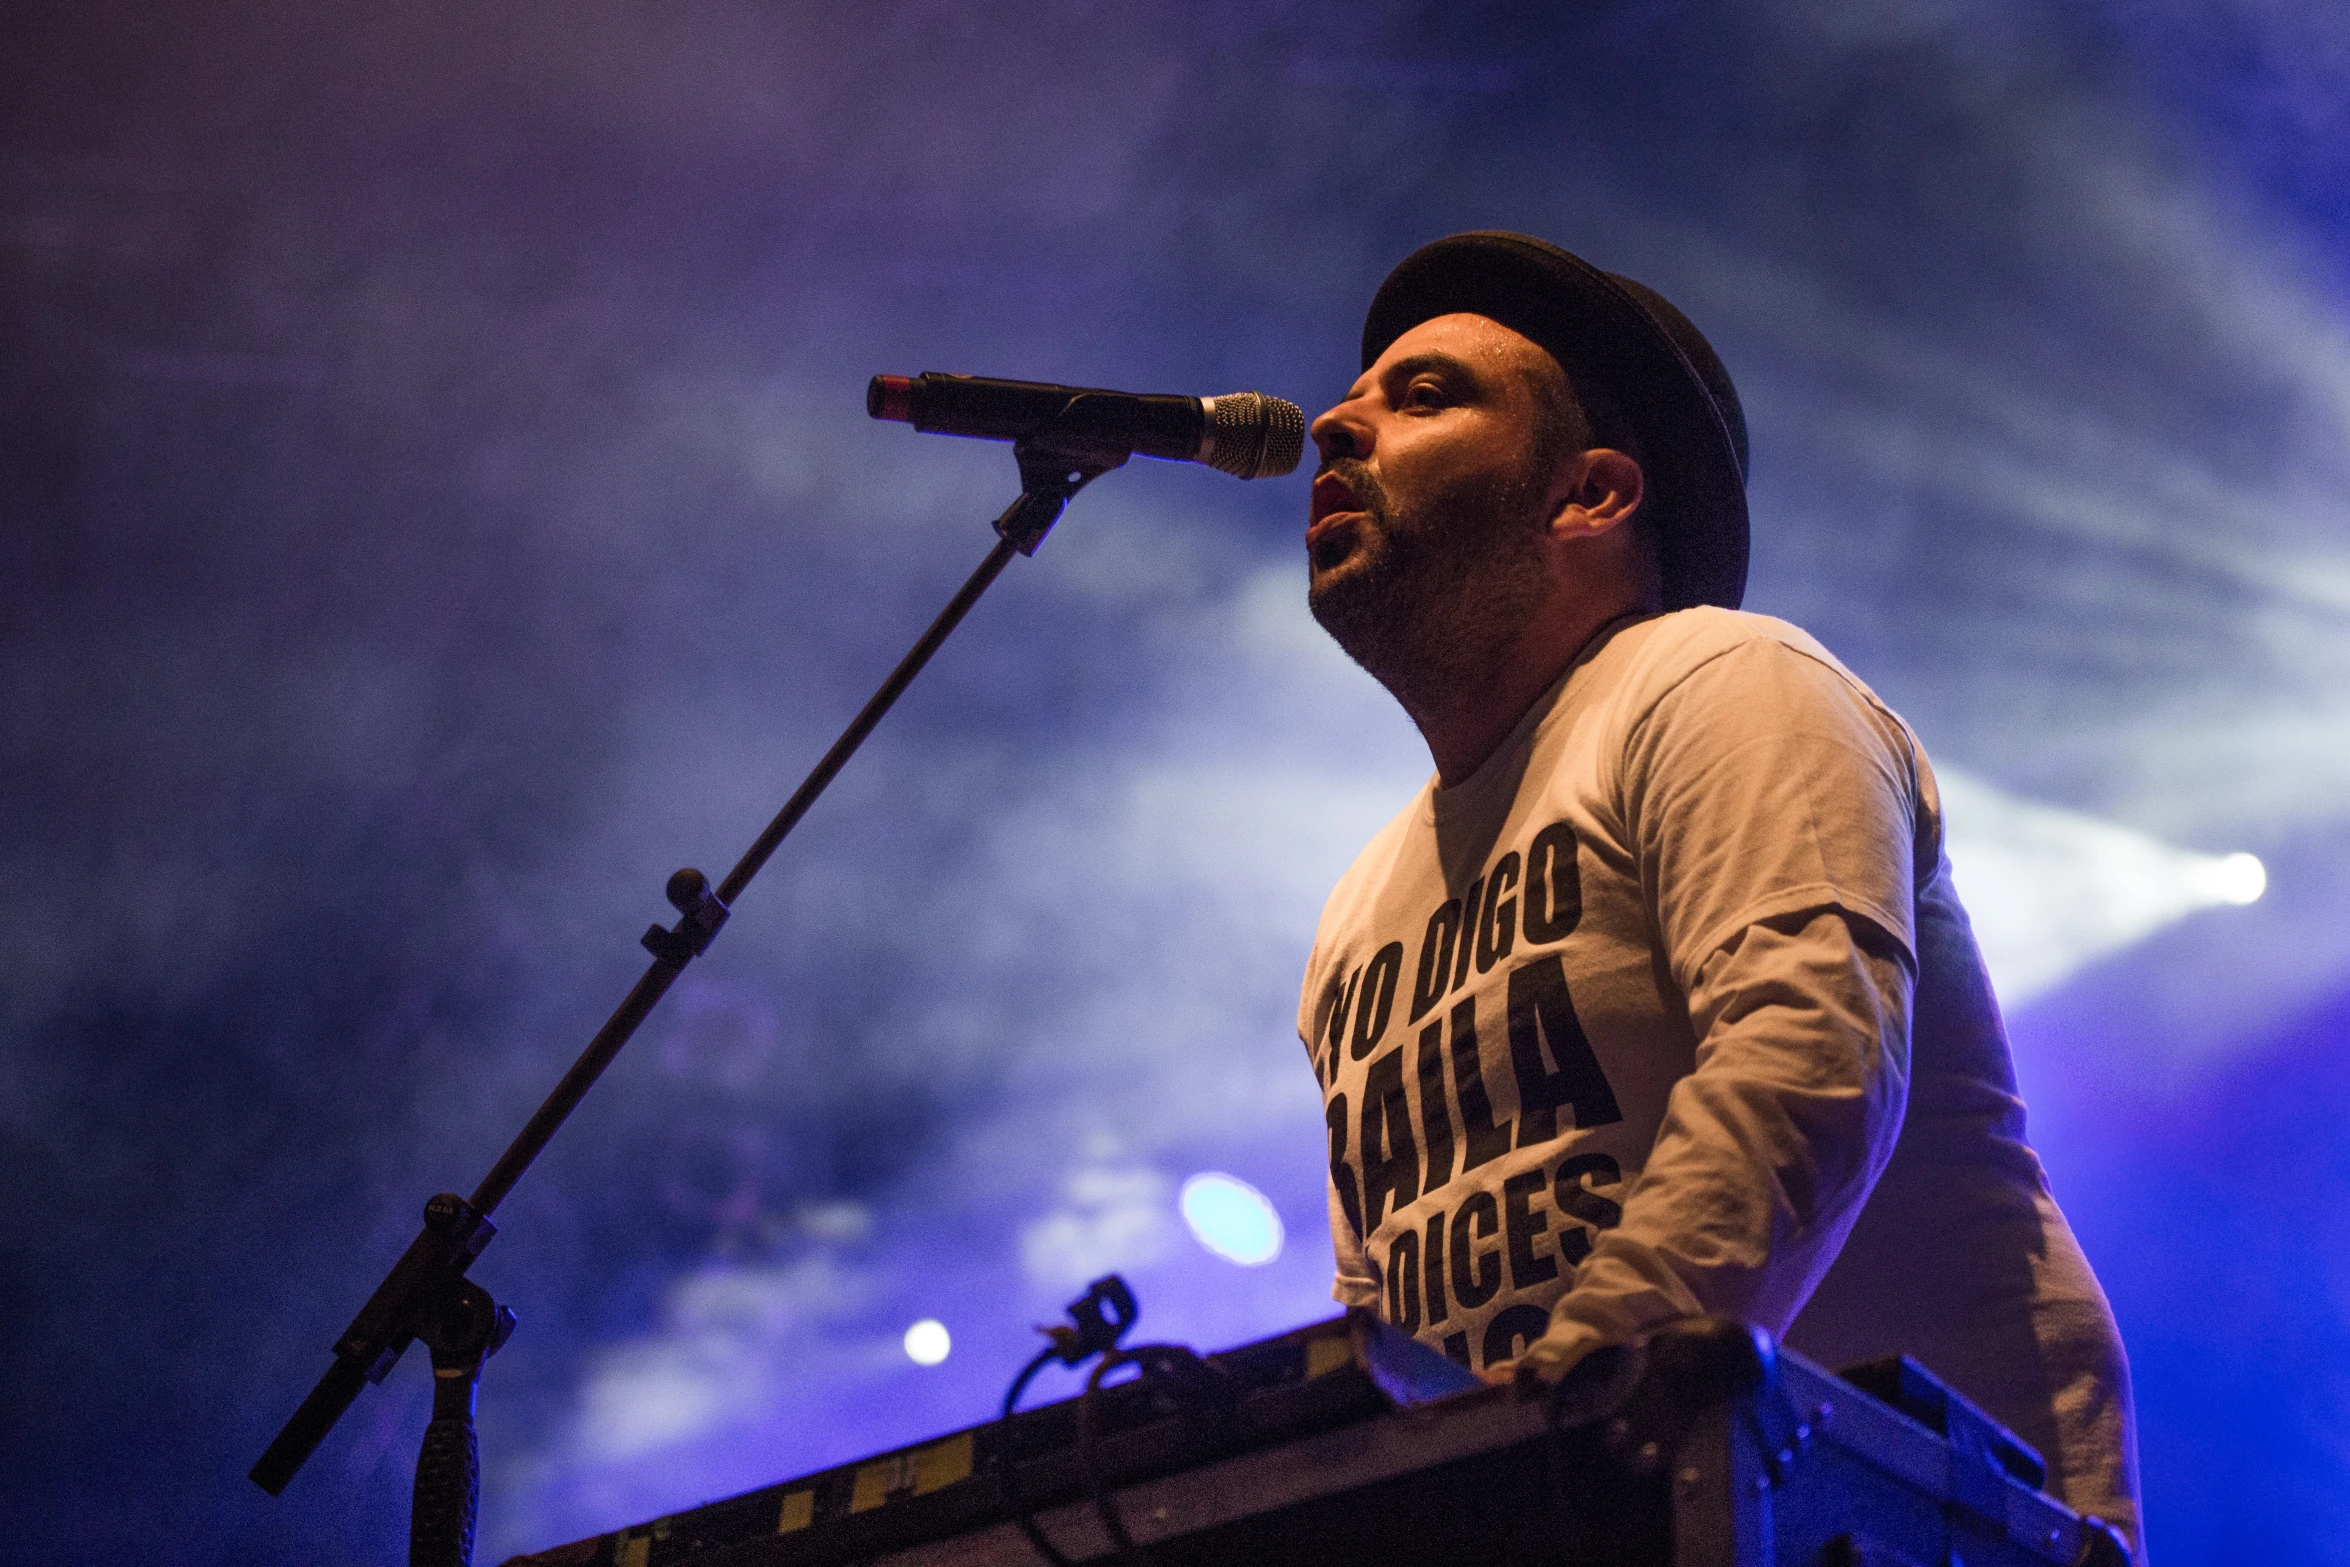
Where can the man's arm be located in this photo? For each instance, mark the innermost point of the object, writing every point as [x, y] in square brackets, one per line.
[1775, 807]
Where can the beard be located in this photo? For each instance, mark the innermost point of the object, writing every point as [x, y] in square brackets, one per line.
[1432, 597]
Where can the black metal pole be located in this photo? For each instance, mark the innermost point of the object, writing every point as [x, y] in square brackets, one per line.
[657, 979]
[416, 1297]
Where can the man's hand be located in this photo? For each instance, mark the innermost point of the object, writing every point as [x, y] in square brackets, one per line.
[1525, 1373]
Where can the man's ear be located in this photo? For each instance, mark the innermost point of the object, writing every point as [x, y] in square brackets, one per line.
[1604, 490]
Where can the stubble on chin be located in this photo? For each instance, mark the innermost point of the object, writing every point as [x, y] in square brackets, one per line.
[1429, 603]
[1372, 602]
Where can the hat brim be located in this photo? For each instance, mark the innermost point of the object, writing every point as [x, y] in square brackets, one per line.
[1691, 450]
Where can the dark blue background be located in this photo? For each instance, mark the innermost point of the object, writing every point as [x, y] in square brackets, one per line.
[438, 503]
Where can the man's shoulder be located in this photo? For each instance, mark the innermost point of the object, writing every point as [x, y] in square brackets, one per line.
[1730, 649]
[1675, 644]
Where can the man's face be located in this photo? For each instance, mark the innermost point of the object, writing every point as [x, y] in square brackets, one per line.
[1426, 543]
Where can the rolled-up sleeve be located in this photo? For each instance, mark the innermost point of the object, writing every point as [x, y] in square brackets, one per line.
[1776, 810]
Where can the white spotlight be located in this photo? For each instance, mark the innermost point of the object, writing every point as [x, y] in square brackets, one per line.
[927, 1342]
[1232, 1219]
[2237, 878]
[2051, 890]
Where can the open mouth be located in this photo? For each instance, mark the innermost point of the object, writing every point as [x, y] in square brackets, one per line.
[1336, 509]
[1331, 541]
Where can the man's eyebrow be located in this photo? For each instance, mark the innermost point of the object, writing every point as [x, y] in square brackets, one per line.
[1450, 365]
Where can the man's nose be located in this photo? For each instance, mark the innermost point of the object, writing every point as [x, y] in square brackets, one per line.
[1340, 433]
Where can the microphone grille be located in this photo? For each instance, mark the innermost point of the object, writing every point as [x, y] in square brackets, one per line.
[1252, 436]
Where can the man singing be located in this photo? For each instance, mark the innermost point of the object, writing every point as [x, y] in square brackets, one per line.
[1657, 999]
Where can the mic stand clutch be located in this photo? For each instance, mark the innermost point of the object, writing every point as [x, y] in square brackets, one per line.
[426, 1295]
[1054, 465]
[447, 1497]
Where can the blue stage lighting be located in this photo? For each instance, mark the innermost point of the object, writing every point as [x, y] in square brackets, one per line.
[1232, 1219]
[927, 1342]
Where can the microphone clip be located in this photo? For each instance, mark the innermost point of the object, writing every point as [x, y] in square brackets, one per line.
[1055, 463]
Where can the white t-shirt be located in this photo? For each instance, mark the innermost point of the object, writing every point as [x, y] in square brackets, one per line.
[1619, 1029]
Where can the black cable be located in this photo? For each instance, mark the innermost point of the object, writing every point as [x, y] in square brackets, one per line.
[1027, 1374]
[1088, 1450]
[1199, 1391]
[1087, 1458]
[1097, 1319]
[1002, 1461]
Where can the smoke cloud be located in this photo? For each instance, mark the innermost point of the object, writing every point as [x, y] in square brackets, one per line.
[440, 506]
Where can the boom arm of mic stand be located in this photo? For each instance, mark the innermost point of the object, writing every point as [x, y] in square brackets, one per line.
[1054, 465]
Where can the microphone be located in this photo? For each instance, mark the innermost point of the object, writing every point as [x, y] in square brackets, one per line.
[1245, 434]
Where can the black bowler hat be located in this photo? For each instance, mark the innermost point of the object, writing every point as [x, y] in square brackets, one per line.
[1611, 331]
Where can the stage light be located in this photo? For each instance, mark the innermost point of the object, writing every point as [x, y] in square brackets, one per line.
[927, 1342]
[1231, 1218]
[2236, 878]
[2053, 890]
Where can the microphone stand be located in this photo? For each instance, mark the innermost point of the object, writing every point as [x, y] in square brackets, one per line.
[427, 1295]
